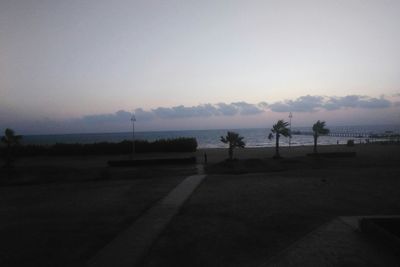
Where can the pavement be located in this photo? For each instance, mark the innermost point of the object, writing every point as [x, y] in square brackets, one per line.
[130, 246]
[337, 243]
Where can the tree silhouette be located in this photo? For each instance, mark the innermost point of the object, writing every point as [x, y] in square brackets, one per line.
[318, 129]
[278, 129]
[234, 140]
[11, 140]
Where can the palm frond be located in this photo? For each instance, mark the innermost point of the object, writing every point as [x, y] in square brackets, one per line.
[319, 128]
[234, 139]
[281, 128]
[10, 138]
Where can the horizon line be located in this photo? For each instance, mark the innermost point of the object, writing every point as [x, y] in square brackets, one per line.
[210, 129]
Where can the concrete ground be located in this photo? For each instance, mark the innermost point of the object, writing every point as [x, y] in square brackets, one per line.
[130, 246]
[337, 243]
[280, 218]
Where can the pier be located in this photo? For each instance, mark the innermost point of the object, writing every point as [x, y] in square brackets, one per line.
[386, 135]
[350, 134]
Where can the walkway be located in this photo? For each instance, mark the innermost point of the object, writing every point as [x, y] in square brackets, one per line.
[337, 243]
[129, 247]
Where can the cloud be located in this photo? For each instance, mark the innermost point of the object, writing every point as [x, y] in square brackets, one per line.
[177, 112]
[310, 103]
[227, 109]
[305, 103]
[374, 103]
[356, 101]
[181, 111]
[247, 109]
[118, 116]
[207, 110]
[302, 104]
[263, 105]
[143, 115]
[334, 103]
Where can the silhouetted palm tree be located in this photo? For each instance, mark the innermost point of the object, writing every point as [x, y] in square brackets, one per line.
[234, 140]
[10, 139]
[280, 128]
[318, 129]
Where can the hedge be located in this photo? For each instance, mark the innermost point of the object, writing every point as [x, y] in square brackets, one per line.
[106, 148]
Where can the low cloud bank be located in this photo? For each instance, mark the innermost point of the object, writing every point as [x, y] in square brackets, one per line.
[314, 103]
[179, 112]
[306, 103]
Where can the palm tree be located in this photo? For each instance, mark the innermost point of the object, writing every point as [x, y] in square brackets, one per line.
[234, 140]
[10, 139]
[280, 128]
[318, 129]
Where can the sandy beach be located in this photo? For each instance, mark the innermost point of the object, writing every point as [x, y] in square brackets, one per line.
[60, 211]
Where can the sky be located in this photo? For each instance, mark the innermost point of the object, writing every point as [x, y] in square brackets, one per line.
[85, 65]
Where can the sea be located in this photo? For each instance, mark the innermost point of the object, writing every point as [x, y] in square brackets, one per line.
[253, 137]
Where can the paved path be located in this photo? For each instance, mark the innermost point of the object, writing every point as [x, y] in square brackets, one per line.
[129, 247]
[337, 243]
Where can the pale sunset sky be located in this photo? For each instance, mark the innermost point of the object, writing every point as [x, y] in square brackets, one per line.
[84, 65]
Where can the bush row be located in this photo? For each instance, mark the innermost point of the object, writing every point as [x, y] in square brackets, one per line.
[106, 148]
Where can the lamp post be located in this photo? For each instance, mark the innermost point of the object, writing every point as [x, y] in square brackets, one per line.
[133, 119]
[290, 127]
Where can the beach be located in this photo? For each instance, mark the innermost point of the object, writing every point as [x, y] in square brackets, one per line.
[60, 211]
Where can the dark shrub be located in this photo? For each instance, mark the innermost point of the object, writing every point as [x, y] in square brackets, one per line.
[167, 145]
[106, 148]
[350, 142]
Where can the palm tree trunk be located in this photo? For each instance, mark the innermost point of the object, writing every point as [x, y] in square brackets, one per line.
[8, 156]
[277, 147]
[315, 144]
[230, 153]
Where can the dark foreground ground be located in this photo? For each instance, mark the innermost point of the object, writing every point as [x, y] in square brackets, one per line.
[243, 220]
[61, 211]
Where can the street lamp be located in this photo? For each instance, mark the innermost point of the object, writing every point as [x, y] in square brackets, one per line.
[290, 127]
[133, 119]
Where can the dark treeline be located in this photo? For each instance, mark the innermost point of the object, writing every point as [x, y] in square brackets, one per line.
[105, 148]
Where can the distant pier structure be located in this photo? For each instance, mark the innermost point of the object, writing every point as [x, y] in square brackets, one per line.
[352, 134]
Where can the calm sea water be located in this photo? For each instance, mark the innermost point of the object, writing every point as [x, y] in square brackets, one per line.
[211, 138]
